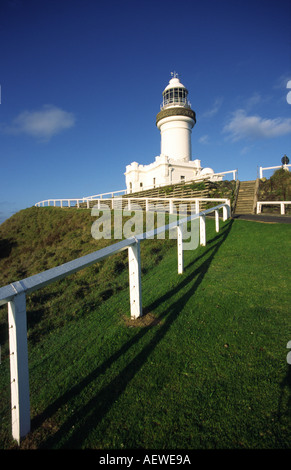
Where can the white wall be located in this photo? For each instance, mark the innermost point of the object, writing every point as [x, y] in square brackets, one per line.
[164, 170]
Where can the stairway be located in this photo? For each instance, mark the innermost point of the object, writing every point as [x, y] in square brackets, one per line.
[245, 198]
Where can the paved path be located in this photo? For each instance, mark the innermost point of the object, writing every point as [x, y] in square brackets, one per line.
[270, 218]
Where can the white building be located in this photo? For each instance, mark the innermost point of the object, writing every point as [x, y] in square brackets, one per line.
[174, 165]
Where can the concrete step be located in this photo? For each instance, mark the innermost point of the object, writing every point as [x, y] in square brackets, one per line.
[245, 199]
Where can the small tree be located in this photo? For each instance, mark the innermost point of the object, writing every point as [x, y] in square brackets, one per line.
[281, 181]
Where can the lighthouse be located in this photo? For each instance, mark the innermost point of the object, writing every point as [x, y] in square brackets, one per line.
[175, 122]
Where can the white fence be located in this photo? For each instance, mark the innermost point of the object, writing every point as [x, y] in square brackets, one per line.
[76, 201]
[282, 205]
[272, 168]
[120, 203]
[15, 295]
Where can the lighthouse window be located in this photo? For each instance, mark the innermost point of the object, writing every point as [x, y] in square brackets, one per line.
[181, 94]
[175, 95]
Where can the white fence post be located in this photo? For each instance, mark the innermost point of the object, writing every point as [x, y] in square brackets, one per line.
[217, 220]
[134, 266]
[180, 249]
[19, 377]
[225, 213]
[197, 206]
[171, 207]
[202, 230]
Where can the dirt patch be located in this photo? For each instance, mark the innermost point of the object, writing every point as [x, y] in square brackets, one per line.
[147, 319]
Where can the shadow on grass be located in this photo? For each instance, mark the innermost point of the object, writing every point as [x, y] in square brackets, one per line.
[285, 410]
[6, 245]
[90, 415]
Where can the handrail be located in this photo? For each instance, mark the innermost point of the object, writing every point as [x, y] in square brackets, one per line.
[280, 203]
[271, 168]
[118, 199]
[15, 295]
[37, 281]
[96, 196]
[78, 199]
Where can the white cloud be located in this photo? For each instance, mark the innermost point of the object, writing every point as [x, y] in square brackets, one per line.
[42, 124]
[204, 139]
[241, 126]
[282, 81]
[253, 101]
[214, 110]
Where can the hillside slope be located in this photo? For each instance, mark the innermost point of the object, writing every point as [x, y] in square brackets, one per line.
[37, 239]
[204, 368]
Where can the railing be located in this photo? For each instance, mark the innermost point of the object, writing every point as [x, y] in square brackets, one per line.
[15, 295]
[100, 196]
[282, 205]
[234, 174]
[121, 203]
[272, 168]
[159, 203]
[171, 102]
[75, 202]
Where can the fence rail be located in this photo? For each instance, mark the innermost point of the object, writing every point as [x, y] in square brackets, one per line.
[15, 295]
[282, 205]
[272, 168]
[77, 200]
[120, 203]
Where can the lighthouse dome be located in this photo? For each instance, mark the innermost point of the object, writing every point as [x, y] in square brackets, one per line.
[174, 83]
[175, 94]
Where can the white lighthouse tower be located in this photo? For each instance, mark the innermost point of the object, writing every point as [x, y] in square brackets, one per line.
[175, 121]
[174, 165]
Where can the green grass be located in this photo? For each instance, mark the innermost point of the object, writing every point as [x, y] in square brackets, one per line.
[207, 369]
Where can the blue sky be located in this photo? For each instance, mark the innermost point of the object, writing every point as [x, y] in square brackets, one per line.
[82, 80]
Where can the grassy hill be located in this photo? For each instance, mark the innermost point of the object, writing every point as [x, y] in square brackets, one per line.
[204, 368]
